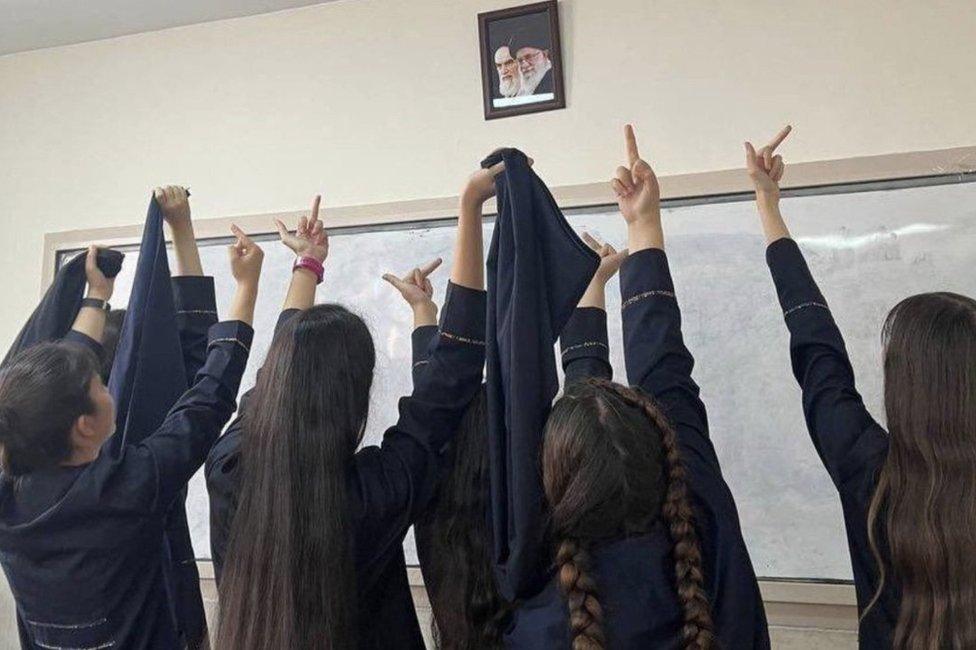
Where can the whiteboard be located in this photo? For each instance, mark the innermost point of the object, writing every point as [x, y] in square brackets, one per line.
[868, 246]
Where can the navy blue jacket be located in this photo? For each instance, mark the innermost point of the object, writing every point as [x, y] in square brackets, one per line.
[147, 377]
[389, 485]
[852, 446]
[584, 345]
[636, 575]
[538, 269]
[585, 353]
[82, 547]
[54, 315]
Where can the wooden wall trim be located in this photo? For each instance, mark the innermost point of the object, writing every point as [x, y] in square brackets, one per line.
[960, 160]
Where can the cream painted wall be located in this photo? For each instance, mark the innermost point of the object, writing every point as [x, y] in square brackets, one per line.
[379, 100]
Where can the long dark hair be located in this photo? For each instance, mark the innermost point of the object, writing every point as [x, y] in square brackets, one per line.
[925, 500]
[467, 609]
[611, 467]
[43, 391]
[290, 580]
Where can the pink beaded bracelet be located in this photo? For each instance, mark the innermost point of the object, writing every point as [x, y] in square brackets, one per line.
[310, 264]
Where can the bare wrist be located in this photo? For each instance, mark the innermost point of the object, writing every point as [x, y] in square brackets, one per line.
[424, 313]
[645, 233]
[99, 294]
[594, 296]
[247, 286]
[181, 226]
[767, 200]
[651, 216]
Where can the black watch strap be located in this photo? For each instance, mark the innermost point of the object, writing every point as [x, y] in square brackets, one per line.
[96, 303]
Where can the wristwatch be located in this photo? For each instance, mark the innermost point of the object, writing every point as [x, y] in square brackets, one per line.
[96, 303]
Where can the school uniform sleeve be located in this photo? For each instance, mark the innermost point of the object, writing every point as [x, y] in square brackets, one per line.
[223, 487]
[654, 350]
[396, 480]
[844, 433]
[85, 341]
[420, 341]
[180, 445]
[584, 345]
[196, 311]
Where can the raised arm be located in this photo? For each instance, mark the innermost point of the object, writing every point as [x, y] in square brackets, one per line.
[584, 343]
[417, 291]
[89, 325]
[182, 442]
[399, 477]
[310, 243]
[656, 357]
[193, 292]
[843, 431]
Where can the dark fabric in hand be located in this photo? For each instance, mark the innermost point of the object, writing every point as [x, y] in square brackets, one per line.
[147, 379]
[537, 271]
[58, 308]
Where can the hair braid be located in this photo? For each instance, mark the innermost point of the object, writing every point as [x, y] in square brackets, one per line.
[585, 612]
[697, 632]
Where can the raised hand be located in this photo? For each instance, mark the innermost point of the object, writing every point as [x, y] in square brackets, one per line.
[415, 287]
[610, 261]
[99, 286]
[91, 321]
[610, 258]
[636, 186]
[174, 201]
[310, 238]
[480, 186]
[246, 259]
[418, 292]
[765, 168]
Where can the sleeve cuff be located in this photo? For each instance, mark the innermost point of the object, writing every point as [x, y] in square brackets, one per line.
[795, 286]
[464, 314]
[585, 335]
[232, 331]
[194, 295]
[420, 342]
[74, 336]
[643, 275]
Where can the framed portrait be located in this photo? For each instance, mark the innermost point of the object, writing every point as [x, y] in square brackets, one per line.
[521, 61]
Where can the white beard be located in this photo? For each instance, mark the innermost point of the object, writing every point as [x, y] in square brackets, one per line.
[508, 87]
[531, 81]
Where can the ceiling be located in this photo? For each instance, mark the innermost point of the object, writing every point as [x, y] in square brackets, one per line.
[34, 24]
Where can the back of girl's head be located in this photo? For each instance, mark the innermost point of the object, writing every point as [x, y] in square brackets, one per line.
[468, 610]
[926, 494]
[611, 468]
[43, 391]
[290, 580]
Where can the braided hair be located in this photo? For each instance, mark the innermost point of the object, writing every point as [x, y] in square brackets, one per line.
[606, 477]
